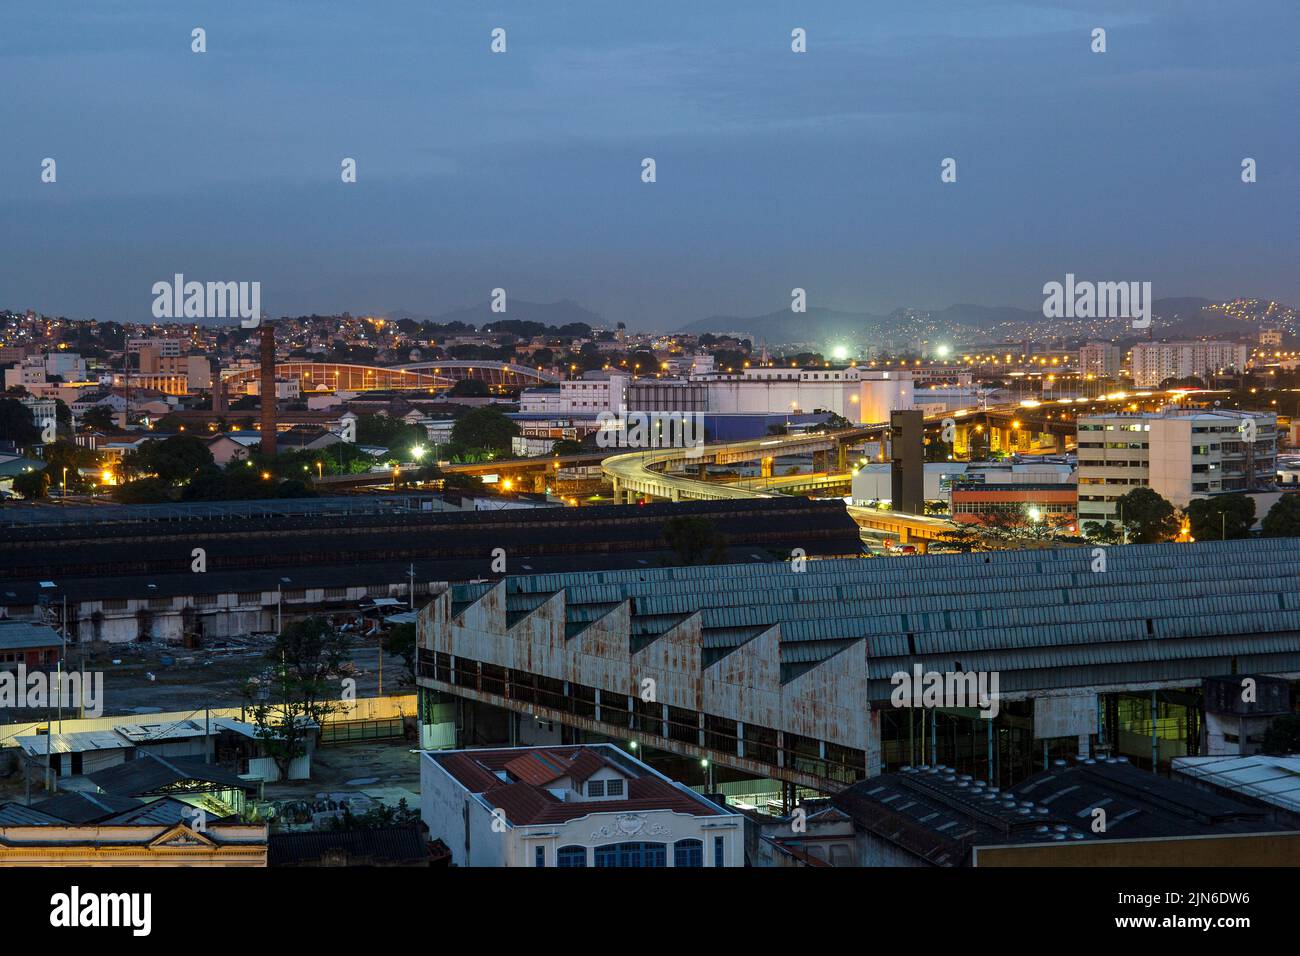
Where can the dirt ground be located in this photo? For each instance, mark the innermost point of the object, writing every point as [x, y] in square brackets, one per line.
[137, 681]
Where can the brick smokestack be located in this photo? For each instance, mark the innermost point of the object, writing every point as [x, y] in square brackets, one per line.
[268, 389]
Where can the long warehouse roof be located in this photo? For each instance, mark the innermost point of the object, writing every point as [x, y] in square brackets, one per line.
[1044, 619]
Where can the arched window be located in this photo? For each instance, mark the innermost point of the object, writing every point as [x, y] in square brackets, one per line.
[571, 856]
[688, 853]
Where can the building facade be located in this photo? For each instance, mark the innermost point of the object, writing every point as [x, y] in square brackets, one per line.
[1179, 454]
[585, 806]
[1153, 362]
[1101, 359]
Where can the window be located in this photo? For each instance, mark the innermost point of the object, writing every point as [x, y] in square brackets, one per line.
[613, 788]
[571, 856]
[595, 788]
[632, 855]
[540, 856]
[718, 851]
[688, 853]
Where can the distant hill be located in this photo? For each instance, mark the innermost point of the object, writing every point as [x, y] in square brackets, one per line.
[1175, 317]
[557, 314]
[785, 326]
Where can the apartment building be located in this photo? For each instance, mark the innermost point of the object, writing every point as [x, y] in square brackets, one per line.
[1178, 453]
[1153, 362]
[1101, 359]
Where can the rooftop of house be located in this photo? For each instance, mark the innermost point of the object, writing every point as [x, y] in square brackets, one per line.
[549, 785]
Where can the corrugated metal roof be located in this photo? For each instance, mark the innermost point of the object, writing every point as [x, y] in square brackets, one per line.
[21, 635]
[1042, 611]
[1270, 778]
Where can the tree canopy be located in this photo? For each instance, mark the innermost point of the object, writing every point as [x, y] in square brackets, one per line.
[1148, 517]
[485, 428]
[1283, 519]
[1222, 516]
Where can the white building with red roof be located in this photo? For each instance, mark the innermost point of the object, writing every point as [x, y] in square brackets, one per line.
[571, 806]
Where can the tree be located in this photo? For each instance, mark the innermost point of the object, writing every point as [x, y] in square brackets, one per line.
[692, 538]
[471, 388]
[484, 428]
[463, 483]
[144, 491]
[99, 418]
[173, 460]
[401, 640]
[1222, 516]
[1147, 516]
[382, 815]
[17, 424]
[1103, 532]
[1283, 519]
[32, 484]
[567, 446]
[298, 691]
[964, 539]
[1017, 525]
[294, 488]
[392, 433]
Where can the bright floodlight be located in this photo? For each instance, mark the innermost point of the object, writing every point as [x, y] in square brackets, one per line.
[417, 452]
[943, 351]
[840, 353]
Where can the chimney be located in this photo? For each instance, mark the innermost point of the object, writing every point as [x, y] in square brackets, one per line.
[268, 389]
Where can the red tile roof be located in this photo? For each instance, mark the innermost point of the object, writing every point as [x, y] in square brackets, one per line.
[526, 801]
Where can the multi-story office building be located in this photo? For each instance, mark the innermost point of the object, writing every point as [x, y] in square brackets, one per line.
[1180, 454]
[1101, 359]
[1153, 362]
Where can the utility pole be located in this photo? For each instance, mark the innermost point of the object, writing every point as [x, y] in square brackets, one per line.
[411, 592]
